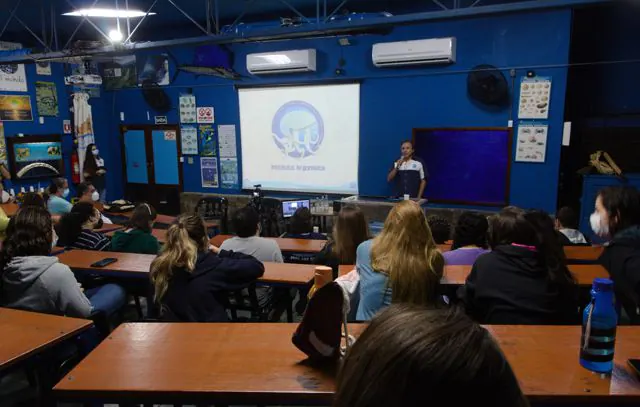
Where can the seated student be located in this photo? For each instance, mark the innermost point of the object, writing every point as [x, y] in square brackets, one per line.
[76, 229]
[440, 229]
[88, 193]
[246, 223]
[410, 356]
[56, 194]
[302, 227]
[617, 217]
[137, 238]
[33, 280]
[524, 279]
[33, 199]
[469, 239]
[402, 264]
[567, 224]
[192, 279]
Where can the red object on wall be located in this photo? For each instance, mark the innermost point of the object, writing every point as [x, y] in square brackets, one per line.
[75, 168]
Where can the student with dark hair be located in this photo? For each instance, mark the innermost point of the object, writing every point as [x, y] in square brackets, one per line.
[33, 199]
[409, 172]
[567, 223]
[411, 356]
[56, 194]
[524, 279]
[95, 171]
[192, 279]
[302, 226]
[469, 239]
[137, 238]
[440, 229]
[76, 229]
[246, 223]
[35, 281]
[617, 217]
[88, 193]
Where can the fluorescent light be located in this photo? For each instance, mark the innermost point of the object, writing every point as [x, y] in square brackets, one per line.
[115, 35]
[106, 13]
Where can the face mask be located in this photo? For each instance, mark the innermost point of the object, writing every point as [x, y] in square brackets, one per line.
[597, 225]
[65, 193]
[95, 196]
[95, 151]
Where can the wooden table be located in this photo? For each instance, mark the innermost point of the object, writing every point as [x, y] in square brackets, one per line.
[583, 253]
[257, 364]
[138, 265]
[285, 244]
[160, 234]
[457, 275]
[24, 334]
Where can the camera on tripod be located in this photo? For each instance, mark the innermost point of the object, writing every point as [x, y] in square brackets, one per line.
[256, 198]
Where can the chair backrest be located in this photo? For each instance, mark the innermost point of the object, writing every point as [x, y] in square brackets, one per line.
[214, 208]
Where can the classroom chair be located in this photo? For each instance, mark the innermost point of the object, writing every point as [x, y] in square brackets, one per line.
[214, 208]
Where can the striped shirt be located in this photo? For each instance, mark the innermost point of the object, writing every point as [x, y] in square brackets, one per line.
[91, 240]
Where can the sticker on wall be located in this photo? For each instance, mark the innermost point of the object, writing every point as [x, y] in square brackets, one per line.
[46, 99]
[209, 172]
[535, 98]
[189, 140]
[188, 111]
[532, 143]
[229, 172]
[207, 140]
[15, 108]
[43, 68]
[170, 135]
[205, 115]
[227, 140]
[13, 78]
[66, 126]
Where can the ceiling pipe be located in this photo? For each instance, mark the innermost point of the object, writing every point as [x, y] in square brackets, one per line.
[328, 29]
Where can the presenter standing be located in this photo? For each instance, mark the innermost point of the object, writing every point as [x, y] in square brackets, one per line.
[409, 172]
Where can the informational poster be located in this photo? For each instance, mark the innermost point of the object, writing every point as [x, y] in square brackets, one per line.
[155, 70]
[207, 140]
[535, 98]
[189, 140]
[15, 108]
[43, 68]
[120, 73]
[13, 78]
[206, 115]
[209, 171]
[3, 146]
[227, 140]
[187, 109]
[229, 172]
[46, 99]
[532, 143]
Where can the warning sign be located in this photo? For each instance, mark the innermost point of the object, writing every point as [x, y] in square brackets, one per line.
[205, 115]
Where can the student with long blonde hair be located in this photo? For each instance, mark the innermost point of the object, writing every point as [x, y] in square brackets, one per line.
[192, 278]
[401, 265]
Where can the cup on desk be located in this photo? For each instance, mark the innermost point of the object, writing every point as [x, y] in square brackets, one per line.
[407, 197]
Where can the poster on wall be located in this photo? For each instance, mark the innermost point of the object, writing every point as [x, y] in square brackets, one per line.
[535, 98]
[3, 146]
[46, 99]
[227, 140]
[156, 70]
[207, 140]
[120, 73]
[229, 172]
[189, 140]
[187, 108]
[206, 115]
[43, 68]
[532, 143]
[15, 108]
[13, 78]
[209, 172]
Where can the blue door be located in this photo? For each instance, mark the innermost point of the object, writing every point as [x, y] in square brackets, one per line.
[135, 152]
[165, 157]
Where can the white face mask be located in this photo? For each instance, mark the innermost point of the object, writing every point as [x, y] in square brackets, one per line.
[95, 196]
[95, 151]
[65, 193]
[598, 226]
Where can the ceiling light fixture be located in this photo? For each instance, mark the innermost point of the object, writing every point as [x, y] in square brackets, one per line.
[106, 13]
[115, 35]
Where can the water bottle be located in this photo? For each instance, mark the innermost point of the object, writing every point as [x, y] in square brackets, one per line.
[599, 323]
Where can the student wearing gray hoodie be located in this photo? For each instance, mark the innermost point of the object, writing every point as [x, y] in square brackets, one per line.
[34, 281]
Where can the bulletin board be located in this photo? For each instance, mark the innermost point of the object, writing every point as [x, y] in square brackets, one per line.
[468, 166]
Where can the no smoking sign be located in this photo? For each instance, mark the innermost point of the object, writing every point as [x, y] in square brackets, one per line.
[205, 115]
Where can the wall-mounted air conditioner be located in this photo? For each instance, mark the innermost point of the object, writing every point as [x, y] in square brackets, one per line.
[303, 60]
[417, 52]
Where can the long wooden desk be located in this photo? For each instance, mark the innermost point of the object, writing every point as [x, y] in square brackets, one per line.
[138, 265]
[257, 364]
[285, 244]
[457, 275]
[23, 334]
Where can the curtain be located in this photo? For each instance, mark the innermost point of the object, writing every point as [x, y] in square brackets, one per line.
[84, 126]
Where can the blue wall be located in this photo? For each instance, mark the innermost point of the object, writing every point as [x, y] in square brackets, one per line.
[392, 101]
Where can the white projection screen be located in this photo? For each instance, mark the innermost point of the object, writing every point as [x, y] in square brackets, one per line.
[301, 138]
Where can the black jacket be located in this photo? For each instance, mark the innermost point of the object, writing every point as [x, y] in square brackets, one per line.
[199, 296]
[510, 286]
[621, 258]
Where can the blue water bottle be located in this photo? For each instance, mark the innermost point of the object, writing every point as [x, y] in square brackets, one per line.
[599, 324]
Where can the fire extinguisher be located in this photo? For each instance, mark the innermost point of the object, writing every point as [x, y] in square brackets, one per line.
[75, 168]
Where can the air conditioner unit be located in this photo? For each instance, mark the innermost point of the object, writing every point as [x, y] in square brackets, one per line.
[417, 52]
[303, 60]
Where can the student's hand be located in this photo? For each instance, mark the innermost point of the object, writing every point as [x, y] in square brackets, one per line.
[214, 249]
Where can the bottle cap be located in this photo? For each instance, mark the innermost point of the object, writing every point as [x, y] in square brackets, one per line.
[602, 284]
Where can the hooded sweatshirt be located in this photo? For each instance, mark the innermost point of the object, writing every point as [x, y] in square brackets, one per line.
[42, 284]
[135, 241]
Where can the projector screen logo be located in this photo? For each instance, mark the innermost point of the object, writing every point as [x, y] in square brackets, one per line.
[298, 129]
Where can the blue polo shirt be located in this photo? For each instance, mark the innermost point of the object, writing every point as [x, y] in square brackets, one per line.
[410, 174]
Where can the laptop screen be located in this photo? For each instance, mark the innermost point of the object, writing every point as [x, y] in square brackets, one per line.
[290, 207]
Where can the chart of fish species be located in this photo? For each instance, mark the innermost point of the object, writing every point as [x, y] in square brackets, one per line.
[535, 98]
